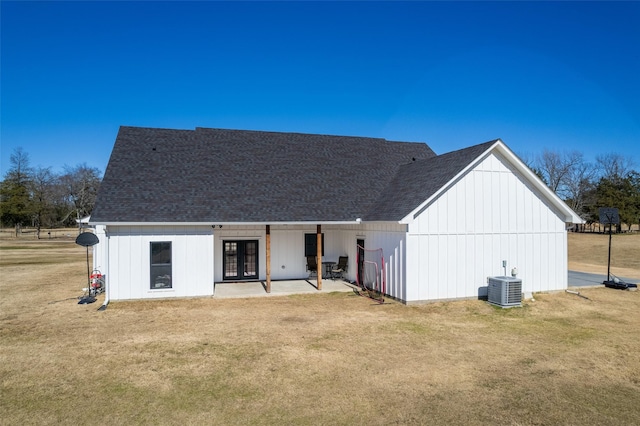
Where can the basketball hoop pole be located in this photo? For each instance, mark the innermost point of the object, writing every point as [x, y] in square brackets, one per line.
[609, 257]
[610, 216]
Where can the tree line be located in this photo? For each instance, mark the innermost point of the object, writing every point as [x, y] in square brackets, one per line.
[610, 181]
[39, 198]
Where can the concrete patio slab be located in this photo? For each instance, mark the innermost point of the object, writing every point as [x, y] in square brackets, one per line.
[278, 288]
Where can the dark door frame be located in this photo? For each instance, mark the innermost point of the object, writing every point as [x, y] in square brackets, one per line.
[360, 256]
[241, 255]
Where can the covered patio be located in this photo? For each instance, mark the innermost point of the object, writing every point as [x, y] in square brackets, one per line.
[228, 290]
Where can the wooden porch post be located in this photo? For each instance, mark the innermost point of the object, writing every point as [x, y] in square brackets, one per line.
[268, 239]
[319, 256]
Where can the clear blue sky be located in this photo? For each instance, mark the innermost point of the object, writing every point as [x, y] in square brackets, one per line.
[562, 76]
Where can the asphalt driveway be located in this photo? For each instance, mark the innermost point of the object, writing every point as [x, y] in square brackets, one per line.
[583, 279]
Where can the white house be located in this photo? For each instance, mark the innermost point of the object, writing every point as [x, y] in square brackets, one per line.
[180, 210]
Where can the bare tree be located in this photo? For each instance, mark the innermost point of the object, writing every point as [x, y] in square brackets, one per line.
[42, 190]
[579, 185]
[570, 177]
[81, 185]
[613, 165]
[557, 169]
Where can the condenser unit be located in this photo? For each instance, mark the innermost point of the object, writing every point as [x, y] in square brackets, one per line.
[505, 291]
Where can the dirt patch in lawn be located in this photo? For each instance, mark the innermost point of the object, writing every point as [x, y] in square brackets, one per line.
[308, 359]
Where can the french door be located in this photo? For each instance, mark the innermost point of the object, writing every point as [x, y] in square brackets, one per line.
[240, 261]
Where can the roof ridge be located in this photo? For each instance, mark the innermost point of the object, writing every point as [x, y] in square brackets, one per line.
[472, 147]
[277, 132]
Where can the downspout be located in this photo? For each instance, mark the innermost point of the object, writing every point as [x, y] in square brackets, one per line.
[107, 273]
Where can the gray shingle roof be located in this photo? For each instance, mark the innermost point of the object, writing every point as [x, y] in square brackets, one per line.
[215, 175]
[416, 182]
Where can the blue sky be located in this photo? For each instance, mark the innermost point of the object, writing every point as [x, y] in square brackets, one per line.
[557, 75]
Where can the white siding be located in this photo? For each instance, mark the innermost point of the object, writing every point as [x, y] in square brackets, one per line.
[99, 250]
[487, 216]
[128, 272]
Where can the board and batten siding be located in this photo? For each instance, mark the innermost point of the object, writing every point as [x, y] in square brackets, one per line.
[391, 238]
[489, 215]
[99, 250]
[128, 275]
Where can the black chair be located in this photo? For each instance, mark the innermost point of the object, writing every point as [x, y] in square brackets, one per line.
[339, 270]
[312, 264]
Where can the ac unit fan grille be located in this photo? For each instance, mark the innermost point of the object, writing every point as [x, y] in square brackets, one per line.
[514, 293]
[505, 291]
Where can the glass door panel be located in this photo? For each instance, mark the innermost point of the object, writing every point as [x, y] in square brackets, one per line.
[230, 260]
[251, 259]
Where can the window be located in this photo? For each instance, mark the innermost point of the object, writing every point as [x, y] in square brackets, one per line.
[161, 265]
[311, 244]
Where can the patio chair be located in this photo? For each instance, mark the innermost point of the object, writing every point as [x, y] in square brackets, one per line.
[339, 270]
[312, 264]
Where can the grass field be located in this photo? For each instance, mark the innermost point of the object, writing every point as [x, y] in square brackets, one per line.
[313, 359]
[589, 252]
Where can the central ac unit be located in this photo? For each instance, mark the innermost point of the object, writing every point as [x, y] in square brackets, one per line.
[505, 291]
